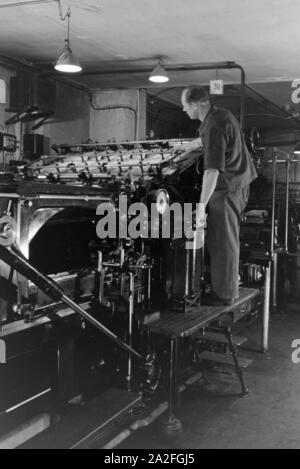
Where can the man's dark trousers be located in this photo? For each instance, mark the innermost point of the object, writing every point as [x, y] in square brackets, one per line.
[223, 230]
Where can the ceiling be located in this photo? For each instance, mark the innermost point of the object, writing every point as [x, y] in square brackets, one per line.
[118, 43]
[113, 38]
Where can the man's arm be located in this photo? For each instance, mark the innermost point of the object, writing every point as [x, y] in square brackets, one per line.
[210, 179]
[186, 148]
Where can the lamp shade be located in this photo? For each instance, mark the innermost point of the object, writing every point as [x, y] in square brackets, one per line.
[297, 149]
[159, 75]
[67, 62]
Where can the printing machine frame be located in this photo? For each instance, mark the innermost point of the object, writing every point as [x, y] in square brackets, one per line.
[42, 349]
[46, 347]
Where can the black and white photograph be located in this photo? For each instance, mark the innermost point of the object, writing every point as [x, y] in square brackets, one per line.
[149, 227]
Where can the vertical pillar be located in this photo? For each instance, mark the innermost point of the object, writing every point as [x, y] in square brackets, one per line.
[266, 312]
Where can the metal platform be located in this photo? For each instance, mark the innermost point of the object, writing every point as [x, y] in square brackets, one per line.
[182, 325]
[177, 326]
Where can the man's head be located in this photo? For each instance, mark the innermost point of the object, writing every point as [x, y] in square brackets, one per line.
[195, 102]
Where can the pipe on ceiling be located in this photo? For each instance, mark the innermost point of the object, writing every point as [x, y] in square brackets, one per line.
[35, 2]
[189, 68]
[25, 66]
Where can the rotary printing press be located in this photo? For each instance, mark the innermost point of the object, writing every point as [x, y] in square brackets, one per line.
[69, 301]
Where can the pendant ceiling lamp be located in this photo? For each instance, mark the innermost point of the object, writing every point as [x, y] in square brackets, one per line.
[67, 62]
[159, 74]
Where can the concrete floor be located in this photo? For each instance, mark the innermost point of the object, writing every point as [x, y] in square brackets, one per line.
[269, 417]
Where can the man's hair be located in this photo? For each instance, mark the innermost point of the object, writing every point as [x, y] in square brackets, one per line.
[195, 93]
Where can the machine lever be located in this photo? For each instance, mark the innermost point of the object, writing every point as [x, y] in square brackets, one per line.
[15, 259]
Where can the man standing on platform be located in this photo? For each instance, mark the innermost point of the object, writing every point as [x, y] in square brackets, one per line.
[228, 172]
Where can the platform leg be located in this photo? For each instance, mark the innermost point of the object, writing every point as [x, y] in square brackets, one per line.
[130, 325]
[266, 312]
[206, 381]
[171, 425]
[238, 369]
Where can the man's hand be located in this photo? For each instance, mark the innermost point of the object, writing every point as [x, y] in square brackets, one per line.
[186, 148]
[200, 220]
[195, 236]
[180, 150]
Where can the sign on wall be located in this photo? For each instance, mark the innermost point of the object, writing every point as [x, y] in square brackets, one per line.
[216, 86]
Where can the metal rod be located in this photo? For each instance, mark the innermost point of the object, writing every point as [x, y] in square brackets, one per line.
[202, 274]
[238, 369]
[36, 2]
[17, 261]
[149, 287]
[122, 142]
[8, 208]
[99, 326]
[32, 2]
[287, 195]
[291, 160]
[172, 376]
[171, 68]
[194, 261]
[86, 198]
[123, 277]
[117, 265]
[130, 323]
[187, 273]
[274, 280]
[101, 277]
[266, 312]
[243, 95]
[43, 308]
[122, 257]
[273, 201]
[4, 161]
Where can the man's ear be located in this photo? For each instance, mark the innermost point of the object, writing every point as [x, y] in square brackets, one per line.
[203, 103]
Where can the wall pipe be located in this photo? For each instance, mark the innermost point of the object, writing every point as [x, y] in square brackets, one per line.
[25, 66]
[187, 68]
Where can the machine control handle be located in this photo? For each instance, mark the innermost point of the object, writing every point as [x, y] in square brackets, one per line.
[17, 261]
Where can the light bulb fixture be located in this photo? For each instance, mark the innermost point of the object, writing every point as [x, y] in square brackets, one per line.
[297, 149]
[67, 62]
[159, 74]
